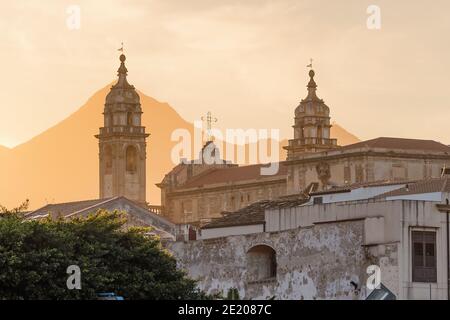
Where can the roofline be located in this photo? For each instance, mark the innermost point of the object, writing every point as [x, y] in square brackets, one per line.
[363, 186]
[158, 217]
[369, 152]
[324, 193]
[91, 207]
[236, 224]
[70, 202]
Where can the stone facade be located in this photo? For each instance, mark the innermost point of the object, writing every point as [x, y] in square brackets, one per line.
[122, 143]
[369, 161]
[200, 205]
[312, 125]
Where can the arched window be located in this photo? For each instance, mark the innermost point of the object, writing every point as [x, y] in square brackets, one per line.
[261, 263]
[108, 160]
[319, 134]
[131, 159]
[129, 118]
[111, 120]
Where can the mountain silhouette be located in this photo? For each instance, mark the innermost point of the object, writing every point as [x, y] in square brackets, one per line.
[61, 164]
[3, 150]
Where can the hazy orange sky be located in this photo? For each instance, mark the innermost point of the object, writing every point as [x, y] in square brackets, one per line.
[243, 60]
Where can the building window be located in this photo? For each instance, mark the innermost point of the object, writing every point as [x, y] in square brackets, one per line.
[261, 263]
[129, 119]
[319, 134]
[318, 200]
[131, 159]
[424, 256]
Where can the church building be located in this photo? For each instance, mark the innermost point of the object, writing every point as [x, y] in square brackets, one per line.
[122, 142]
[122, 166]
[315, 162]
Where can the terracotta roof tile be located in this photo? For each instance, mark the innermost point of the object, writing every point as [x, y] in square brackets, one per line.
[66, 208]
[230, 175]
[252, 214]
[399, 143]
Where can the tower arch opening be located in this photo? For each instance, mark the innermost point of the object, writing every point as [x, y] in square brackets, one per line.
[129, 118]
[261, 263]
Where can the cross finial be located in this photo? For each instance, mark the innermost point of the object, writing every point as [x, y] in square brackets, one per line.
[209, 121]
[310, 65]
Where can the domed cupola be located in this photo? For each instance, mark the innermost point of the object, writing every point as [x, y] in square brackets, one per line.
[312, 104]
[122, 95]
[312, 124]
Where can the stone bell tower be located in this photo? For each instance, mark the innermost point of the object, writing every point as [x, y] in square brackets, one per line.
[312, 125]
[122, 142]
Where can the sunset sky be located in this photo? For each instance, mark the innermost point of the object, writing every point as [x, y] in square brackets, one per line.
[243, 60]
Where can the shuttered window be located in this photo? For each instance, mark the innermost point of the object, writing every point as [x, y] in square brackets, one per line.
[424, 256]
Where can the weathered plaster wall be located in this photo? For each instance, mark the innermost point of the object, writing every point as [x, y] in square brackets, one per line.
[386, 256]
[317, 262]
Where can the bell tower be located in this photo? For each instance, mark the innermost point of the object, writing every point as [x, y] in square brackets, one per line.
[122, 142]
[312, 125]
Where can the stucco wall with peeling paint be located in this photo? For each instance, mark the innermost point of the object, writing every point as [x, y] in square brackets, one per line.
[317, 262]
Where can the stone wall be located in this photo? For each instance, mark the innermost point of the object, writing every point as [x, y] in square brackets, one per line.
[386, 256]
[318, 262]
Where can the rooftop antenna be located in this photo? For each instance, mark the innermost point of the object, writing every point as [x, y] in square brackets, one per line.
[310, 65]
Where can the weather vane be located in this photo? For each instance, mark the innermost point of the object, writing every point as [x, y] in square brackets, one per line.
[209, 121]
[311, 64]
[121, 48]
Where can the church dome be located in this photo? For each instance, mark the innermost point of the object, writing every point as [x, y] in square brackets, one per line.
[122, 96]
[122, 92]
[312, 104]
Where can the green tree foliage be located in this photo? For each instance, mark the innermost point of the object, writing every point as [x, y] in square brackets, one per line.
[35, 255]
[233, 294]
